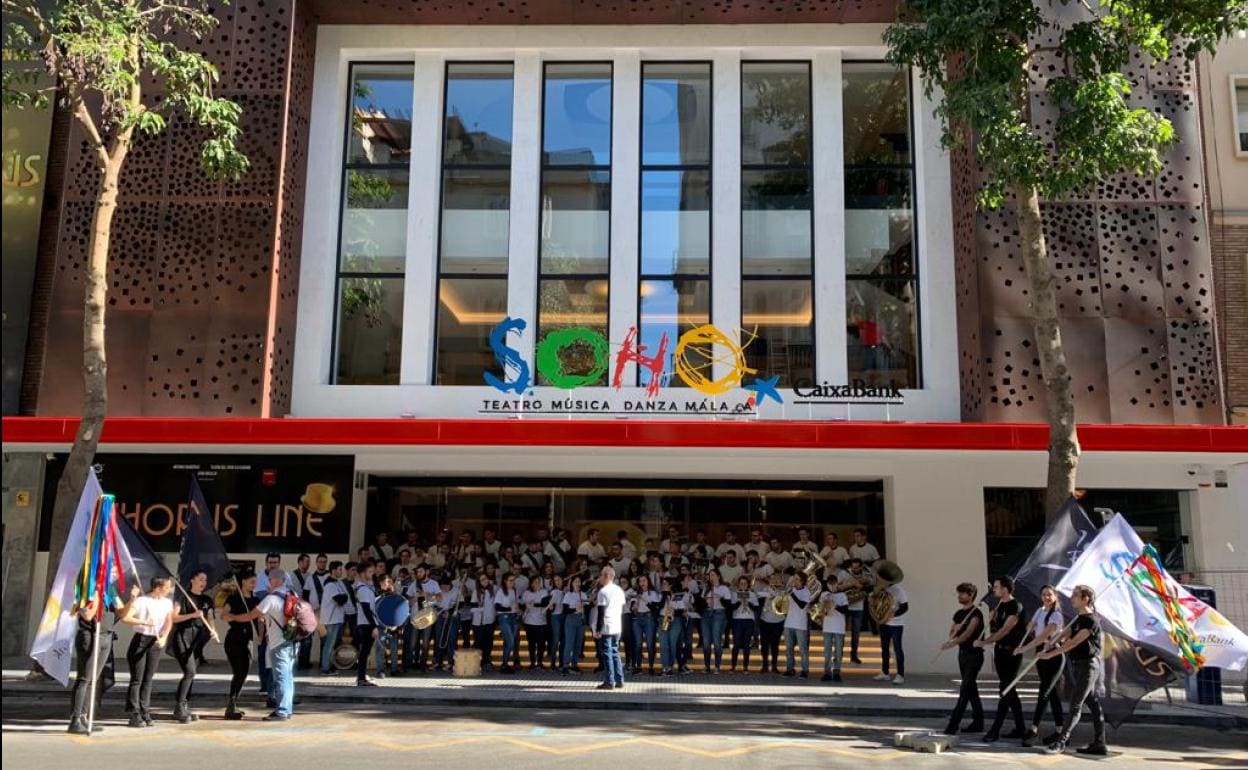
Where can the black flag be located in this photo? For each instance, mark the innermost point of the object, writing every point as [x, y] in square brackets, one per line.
[139, 561]
[1059, 547]
[202, 548]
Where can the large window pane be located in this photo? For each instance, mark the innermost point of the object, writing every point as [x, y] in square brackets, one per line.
[675, 222]
[776, 222]
[672, 308]
[879, 214]
[676, 114]
[778, 316]
[374, 221]
[566, 303]
[381, 113]
[883, 331]
[468, 309]
[475, 213]
[775, 113]
[877, 116]
[577, 115]
[478, 114]
[576, 221]
[370, 331]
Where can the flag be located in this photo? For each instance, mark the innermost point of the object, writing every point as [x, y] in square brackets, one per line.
[202, 548]
[1059, 547]
[1139, 600]
[137, 557]
[54, 642]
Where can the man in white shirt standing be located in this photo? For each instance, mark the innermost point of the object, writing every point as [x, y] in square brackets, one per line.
[282, 651]
[796, 627]
[610, 625]
[833, 554]
[861, 549]
[591, 549]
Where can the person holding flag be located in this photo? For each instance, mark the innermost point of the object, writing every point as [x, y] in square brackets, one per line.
[153, 617]
[189, 638]
[1081, 644]
[85, 642]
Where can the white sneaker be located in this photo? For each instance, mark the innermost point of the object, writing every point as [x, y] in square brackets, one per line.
[899, 679]
[882, 678]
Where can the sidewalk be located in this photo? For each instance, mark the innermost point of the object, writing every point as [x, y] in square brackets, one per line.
[927, 697]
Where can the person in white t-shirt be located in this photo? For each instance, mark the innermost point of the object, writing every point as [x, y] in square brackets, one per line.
[835, 610]
[627, 549]
[591, 549]
[891, 627]
[334, 600]
[536, 627]
[490, 544]
[152, 616]
[718, 598]
[797, 627]
[282, 652]
[731, 569]
[611, 601]
[853, 576]
[422, 592]
[1046, 630]
[757, 544]
[730, 545]
[832, 553]
[861, 549]
[777, 557]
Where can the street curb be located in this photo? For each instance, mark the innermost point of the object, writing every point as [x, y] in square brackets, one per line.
[619, 702]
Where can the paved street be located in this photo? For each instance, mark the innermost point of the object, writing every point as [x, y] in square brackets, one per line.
[324, 735]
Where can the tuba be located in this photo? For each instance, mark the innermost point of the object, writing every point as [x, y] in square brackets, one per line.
[880, 602]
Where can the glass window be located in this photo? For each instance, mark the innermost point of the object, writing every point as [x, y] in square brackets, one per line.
[883, 331]
[778, 321]
[669, 308]
[881, 268]
[1241, 113]
[468, 309]
[372, 235]
[381, 114]
[675, 222]
[370, 330]
[574, 272]
[777, 208]
[474, 232]
[676, 114]
[478, 114]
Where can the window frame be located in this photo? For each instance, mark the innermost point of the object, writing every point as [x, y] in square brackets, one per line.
[809, 168]
[346, 167]
[709, 169]
[443, 167]
[1235, 80]
[542, 168]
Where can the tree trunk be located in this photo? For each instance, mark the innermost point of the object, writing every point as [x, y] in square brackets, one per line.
[1063, 441]
[94, 364]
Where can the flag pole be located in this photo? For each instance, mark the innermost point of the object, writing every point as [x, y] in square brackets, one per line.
[95, 673]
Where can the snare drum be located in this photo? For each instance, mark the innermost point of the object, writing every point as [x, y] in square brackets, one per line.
[393, 610]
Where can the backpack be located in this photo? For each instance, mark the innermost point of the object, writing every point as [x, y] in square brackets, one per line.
[301, 620]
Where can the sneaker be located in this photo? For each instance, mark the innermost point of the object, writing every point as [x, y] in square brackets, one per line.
[1029, 739]
[950, 730]
[136, 720]
[789, 672]
[825, 678]
[276, 717]
[1095, 749]
[992, 737]
[836, 676]
[1056, 747]
[605, 686]
[79, 727]
[619, 685]
[899, 679]
[856, 660]
[147, 720]
[1051, 737]
[882, 678]
[365, 682]
[803, 675]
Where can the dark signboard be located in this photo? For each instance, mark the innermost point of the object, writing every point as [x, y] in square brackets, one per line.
[282, 503]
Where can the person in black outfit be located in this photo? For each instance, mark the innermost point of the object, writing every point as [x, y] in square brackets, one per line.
[238, 640]
[1007, 628]
[189, 638]
[305, 586]
[1082, 647]
[365, 622]
[967, 628]
[84, 648]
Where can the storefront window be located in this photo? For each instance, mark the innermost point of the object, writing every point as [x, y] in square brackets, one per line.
[372, 247]
[675, 207]
[474, 230]
[574, 277]
[881, 282]
[777, 273]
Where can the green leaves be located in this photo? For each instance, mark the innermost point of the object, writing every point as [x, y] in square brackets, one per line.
[122, 59]
[974, 58]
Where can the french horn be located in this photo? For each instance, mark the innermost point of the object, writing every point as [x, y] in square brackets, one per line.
[880, 602]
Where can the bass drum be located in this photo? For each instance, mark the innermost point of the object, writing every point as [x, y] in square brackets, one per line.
[393, 610]
[345, 657]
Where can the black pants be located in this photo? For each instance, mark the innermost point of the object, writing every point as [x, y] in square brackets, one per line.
[363, 640]
[143, 658]
[187, 650]
[969, 664]
[1050, 671]
[536, 637]
[485, 642]
[238, 653]
[855, 631]
[771, 633]
[84, 647]
[1088, 675]
[1007, 664]
[890, 637]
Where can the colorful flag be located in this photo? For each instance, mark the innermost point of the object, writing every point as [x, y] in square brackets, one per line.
[1137, 599]
[202, 547]
[54, 642]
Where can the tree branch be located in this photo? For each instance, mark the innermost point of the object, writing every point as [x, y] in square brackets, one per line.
[93, 133]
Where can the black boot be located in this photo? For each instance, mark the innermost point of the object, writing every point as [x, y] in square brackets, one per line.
[181, 713]
[78, 725]
[231, 710]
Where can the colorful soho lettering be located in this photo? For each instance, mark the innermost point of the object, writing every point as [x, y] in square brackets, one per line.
[693, 358]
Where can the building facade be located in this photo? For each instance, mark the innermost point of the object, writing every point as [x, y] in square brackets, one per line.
[703, 265]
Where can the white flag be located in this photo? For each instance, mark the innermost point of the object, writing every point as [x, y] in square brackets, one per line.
[1134, 611]
[53, 647]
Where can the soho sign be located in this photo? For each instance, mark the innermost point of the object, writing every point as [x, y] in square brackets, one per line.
[696, 352]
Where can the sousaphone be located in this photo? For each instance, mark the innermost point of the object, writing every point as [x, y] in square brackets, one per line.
[880, 602]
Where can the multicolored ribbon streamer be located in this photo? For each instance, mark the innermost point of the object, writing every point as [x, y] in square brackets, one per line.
[1151, 580]
[100, 580]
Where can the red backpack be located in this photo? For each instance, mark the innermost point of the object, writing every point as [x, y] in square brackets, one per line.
[301, 619]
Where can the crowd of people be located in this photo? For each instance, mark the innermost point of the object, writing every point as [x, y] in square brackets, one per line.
[651, 609]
